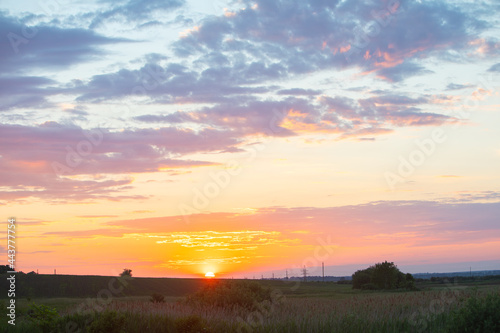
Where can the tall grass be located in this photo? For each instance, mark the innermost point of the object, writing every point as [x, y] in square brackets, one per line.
[424, 311]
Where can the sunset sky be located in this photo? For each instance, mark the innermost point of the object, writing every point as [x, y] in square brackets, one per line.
[180, 137]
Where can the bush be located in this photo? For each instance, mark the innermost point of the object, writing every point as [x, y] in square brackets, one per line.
[369, 286]
[75, 322]
[107, 322]
[362, 277]
[126, 273]
[231, 294]
[191, 324]
[157, 298]
[43, 317]
[477, 315]
[344, 282]
[385, 275]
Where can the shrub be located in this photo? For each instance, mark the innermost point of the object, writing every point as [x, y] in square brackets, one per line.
[369, 286]
[477, 315]
[43, 317]
[157, 298]
[362, 277]
[344, 282]
[75, 322]
[385, 275]
[191, 324]
[230, 294]
[126, 273]
[107, 322]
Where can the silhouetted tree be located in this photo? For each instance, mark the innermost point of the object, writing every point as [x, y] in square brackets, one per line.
[385, 275]
[126, 273]
[362, 277]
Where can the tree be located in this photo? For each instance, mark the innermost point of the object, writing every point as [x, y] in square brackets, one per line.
[362, 277]
[385, 275]
[126, 273]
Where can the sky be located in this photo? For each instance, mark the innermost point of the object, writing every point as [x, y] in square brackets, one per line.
[180, 137]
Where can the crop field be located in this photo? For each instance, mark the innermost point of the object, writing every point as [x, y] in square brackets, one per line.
[288, 307]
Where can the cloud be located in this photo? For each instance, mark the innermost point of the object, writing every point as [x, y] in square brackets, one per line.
[421, 222]
[105, 232]
[133, 10]
[173, 83]
[301, 38]
[238, 53]
[47, 47]
[365, 132]
[354, 234]
[379, 113]
[295, 115]
[40, 48]
[494, 68]
[96, 216]
[299, 91]
[233, 240]
[25, 92]
[475, 196]
[401, 72]
[455, 86]
[34, 156]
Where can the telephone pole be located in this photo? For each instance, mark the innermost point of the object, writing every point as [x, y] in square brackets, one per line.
[304, 271]
[323, 268]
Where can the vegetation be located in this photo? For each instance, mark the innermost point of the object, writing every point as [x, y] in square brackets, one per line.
[383, 275]
[126, 273]
[157, 298]
[245, 306]
[439, 310]
[42, 316]
[231, 294]
[45, 285]
[477, 315]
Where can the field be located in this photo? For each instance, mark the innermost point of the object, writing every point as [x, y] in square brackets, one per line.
[292, 307]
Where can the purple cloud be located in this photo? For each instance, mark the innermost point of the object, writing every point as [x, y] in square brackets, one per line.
[34, 156]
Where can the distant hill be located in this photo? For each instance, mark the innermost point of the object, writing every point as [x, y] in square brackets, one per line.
[425, 276]
[320, 278]
[41, 285]
[451, 274]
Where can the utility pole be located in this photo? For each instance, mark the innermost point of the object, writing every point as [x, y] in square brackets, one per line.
[286, 273]
[304, 271]
[323, 268]
[273, 275]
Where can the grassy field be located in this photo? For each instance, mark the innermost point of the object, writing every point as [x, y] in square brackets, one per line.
[292, 307]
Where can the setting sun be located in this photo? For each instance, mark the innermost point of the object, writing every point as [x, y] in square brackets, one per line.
[210, 275]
